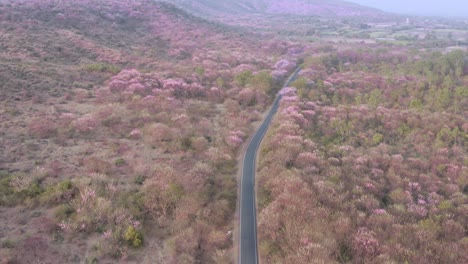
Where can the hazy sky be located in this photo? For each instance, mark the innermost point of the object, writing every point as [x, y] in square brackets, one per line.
[420, 7]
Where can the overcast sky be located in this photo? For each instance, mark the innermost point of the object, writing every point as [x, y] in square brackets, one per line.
[420, 7]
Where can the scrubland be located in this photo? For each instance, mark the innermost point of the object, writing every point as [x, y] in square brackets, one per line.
[121, 123]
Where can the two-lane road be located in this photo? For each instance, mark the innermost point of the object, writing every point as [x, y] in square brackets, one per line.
[248, 223]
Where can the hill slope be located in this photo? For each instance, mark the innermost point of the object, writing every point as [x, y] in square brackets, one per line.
[324, 8]
[120, 123]
[56, 45]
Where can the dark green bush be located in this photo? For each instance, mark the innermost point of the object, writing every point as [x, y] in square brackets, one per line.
[63, 212]
[11, 197]
[140, 179]
[8, 243]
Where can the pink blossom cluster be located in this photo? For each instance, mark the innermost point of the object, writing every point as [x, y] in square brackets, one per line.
[136, 88]
[123, 80]
[65, 226]
[102, 94]
[327, 84]
[295, 50]
[279, 74]
[308, 114]
[87, 195]
[180, 88]
[174, 84]
[285, 65]
[311, 105]
[149, 100]
[414, 187]
[243, 68]
[121, 216]
[107, 233]
[246, 96]
[112, 188]
[418, 209]
[421, 201]
[307, 159]
[42, 127]
[434, 198]
[135, 224]
[234, 141]
[292, 140]
[346, 148]
[377, 172]
[370, 186]
[86, 123]
[294, 113]
[135, 134]
[289, 95]
[293, 109]
[66, 118]
[290, 99]
[361, 160]
[380, 211]
[235, 138]
[365, 245]
[453, 171]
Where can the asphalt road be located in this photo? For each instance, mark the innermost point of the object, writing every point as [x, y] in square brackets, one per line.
[248, 223]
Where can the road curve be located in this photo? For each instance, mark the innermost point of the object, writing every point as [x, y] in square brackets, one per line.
[248, 223]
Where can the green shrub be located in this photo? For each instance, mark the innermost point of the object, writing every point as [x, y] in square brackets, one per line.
[377, 138]
[344, 253]
[133, 237]
[33, 190]
[58, 193]
[92, 260]
[57, 237]
[36, 214]
[15, 189]
[7, 243]
[120, 162]
[243, 78]
[102, 67]
[176, 191]
[133, 201]
[5, 187]
[445, 205]
[140, 179]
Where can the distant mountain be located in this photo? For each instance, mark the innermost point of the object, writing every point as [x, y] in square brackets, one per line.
[324, 8]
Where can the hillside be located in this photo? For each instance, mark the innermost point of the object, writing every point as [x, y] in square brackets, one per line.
[324, 8]
[120, 125]
[47, 45]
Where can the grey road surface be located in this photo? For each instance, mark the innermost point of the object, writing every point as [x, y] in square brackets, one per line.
[248, 223]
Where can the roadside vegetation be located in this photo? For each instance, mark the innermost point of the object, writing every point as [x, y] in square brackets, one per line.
[366, 161]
